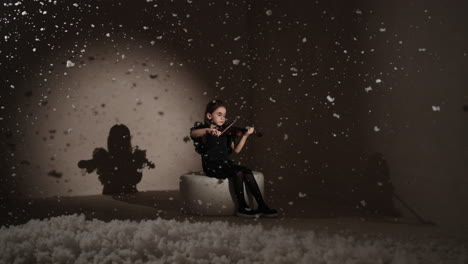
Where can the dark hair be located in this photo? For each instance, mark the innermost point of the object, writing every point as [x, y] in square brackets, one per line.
[212, 106]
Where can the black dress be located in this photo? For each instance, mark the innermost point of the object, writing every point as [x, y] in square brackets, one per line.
[215, 153]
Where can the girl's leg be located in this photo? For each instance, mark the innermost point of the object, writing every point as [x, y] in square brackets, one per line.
[243, 209]
[253, 188]
[238, 180]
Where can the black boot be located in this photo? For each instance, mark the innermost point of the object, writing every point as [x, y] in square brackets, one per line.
[247, 212]
[266, 211]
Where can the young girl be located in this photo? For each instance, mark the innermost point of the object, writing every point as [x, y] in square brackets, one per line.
[215, 148]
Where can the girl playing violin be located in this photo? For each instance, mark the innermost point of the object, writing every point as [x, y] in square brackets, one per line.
[215, 146]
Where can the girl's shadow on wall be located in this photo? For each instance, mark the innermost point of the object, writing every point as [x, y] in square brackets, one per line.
[120, 167]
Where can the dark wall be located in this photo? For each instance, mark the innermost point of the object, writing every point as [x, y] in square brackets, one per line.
[395, 72]
[311, 74]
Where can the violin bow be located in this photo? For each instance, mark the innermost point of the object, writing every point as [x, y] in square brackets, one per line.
[229, 125]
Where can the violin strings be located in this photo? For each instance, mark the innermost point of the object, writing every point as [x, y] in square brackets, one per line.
[229, 126]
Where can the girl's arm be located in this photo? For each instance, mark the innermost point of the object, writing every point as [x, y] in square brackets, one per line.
[202, 131]
[241, 143]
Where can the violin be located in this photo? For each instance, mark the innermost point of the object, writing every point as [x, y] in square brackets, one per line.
[237, 131]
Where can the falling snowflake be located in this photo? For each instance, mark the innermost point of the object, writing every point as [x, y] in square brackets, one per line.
[368, 89]
[302, 195]
[272, 100]
[70, 64]
[330, 99]
[378, 81]
[269, 12]
[376, 129]
[435, 108]
[235, 62]
[336, 115]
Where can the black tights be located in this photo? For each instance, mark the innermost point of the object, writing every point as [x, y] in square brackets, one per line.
[252, 187]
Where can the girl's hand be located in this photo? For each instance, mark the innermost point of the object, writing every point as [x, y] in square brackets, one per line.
[213, 131]
[250, 131]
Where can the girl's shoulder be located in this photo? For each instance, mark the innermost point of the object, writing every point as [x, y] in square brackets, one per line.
[199, 142]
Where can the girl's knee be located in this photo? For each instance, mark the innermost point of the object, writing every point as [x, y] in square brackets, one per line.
[239, 174]
[249, 177]
[247, 171]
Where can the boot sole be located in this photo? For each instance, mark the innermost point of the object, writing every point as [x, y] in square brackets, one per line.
[269, 215]
[248, 215]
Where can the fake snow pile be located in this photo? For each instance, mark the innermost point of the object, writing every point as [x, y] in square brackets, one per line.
[72, 239]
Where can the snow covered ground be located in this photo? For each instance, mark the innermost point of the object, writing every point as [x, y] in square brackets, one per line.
[73, 239]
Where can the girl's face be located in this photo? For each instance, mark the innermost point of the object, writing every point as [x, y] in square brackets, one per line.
[218, 117]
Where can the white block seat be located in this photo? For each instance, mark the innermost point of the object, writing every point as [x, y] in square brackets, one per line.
[203, 195]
